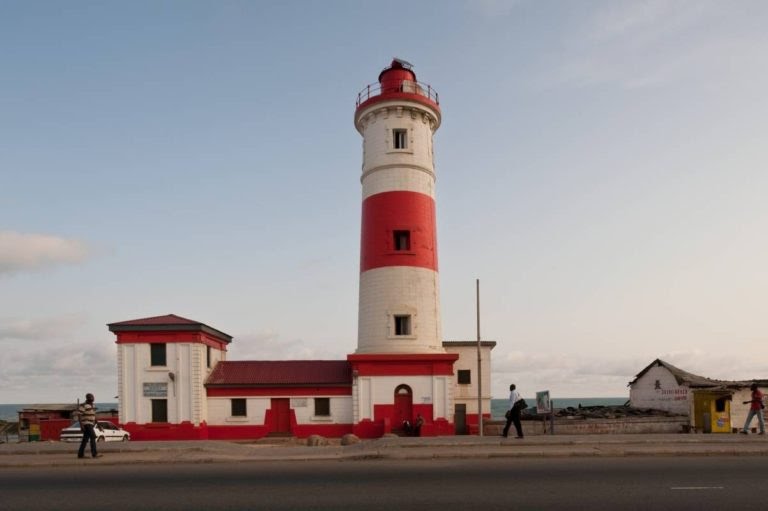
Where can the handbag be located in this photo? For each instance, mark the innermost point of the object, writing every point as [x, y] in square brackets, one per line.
[521, 404]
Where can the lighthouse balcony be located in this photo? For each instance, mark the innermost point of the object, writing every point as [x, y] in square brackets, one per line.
[404, 89]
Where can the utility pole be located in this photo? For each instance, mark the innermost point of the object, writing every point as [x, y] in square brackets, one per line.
[479, 368]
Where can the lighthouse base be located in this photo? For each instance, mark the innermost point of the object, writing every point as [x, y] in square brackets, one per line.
[404, 394]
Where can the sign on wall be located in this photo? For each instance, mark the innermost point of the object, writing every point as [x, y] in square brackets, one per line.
[298, 402]
[154, 389]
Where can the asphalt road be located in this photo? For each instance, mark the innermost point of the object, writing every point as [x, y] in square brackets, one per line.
[658, 484]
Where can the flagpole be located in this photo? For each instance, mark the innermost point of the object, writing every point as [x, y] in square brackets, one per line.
[479, 368]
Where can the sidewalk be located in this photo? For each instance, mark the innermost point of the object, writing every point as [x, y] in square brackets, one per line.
[39, 454]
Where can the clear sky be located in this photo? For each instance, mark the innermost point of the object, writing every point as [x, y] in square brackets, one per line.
[601, 169]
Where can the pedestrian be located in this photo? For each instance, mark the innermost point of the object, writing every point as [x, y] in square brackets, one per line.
[755, 408]
[87, 416]
[417, 425]
[513, 414]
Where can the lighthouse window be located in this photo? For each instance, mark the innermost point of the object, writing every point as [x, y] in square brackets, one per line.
[402, 325]
[157, 354]
[400, 138]
[402, 240]
[464, 377]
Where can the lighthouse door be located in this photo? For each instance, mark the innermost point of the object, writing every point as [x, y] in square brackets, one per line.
[403, 405]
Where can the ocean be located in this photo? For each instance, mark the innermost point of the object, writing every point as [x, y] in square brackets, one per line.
[498, 406]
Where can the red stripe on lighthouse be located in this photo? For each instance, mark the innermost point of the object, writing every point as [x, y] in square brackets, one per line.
[387, 213]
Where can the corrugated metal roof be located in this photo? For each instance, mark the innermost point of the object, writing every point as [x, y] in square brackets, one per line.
[281, 373]
[693, 380]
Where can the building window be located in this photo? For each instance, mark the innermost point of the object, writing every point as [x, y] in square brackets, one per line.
[322, 407]
[208, 356]
[159, 410]
[239, 408]
[401, 240]
[465, 376]
[158, 354]
[400, 138]
[402, 324]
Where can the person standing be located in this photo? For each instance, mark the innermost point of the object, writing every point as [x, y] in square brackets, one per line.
[87, 415]
[755, 408]
[513, 414]
[418, 423]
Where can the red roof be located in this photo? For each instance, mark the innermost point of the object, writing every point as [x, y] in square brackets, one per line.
[281, 372]
[168, 319]
[169, 322]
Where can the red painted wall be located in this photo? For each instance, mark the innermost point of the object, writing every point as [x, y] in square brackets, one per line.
[386, 212]
[170, 337]
[403, 365]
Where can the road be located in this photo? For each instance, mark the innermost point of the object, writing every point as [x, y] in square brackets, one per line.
[658, 483]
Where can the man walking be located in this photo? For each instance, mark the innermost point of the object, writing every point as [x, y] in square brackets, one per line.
[87, 414]
[513, 414]
[755, 408]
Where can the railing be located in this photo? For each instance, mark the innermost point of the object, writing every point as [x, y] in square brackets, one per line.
[406, 86]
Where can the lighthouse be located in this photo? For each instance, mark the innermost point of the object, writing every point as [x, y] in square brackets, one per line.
[400, 368]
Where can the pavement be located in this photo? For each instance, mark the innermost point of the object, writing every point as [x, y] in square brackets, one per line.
[48, 454]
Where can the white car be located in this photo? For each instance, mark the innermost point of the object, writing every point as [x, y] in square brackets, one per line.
[105, 432]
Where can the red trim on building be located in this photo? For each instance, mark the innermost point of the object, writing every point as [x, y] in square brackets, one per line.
[387, 212]
[168, 338]
[277, 391]
[403, 365]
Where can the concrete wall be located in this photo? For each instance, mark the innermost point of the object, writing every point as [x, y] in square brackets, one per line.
[596, 426]
[739, 410]
[658, 389]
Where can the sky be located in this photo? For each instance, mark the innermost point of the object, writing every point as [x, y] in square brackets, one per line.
[601, 169]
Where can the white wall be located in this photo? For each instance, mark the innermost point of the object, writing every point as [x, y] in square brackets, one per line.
[436, 391]
[220, 408]
[399, 290]
[739, 410]
[658, 389]
[467, 394]
[185, 392]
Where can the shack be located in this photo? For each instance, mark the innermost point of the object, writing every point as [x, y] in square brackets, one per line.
[43, 422]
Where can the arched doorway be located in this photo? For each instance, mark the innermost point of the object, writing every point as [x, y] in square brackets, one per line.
[403, 405]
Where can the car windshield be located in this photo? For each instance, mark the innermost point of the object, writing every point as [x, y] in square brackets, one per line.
[75, 424]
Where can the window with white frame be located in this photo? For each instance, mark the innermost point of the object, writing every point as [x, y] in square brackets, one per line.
[400, 138]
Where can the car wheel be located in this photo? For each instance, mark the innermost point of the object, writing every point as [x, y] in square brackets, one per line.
[100, 439]
[125, 438]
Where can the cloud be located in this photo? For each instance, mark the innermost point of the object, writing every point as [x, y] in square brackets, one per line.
[62, 369]
[40, 329]
[267, 345]
[648, 44]
[28, 252]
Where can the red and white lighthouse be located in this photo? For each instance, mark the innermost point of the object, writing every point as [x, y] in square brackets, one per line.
[400, 362]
